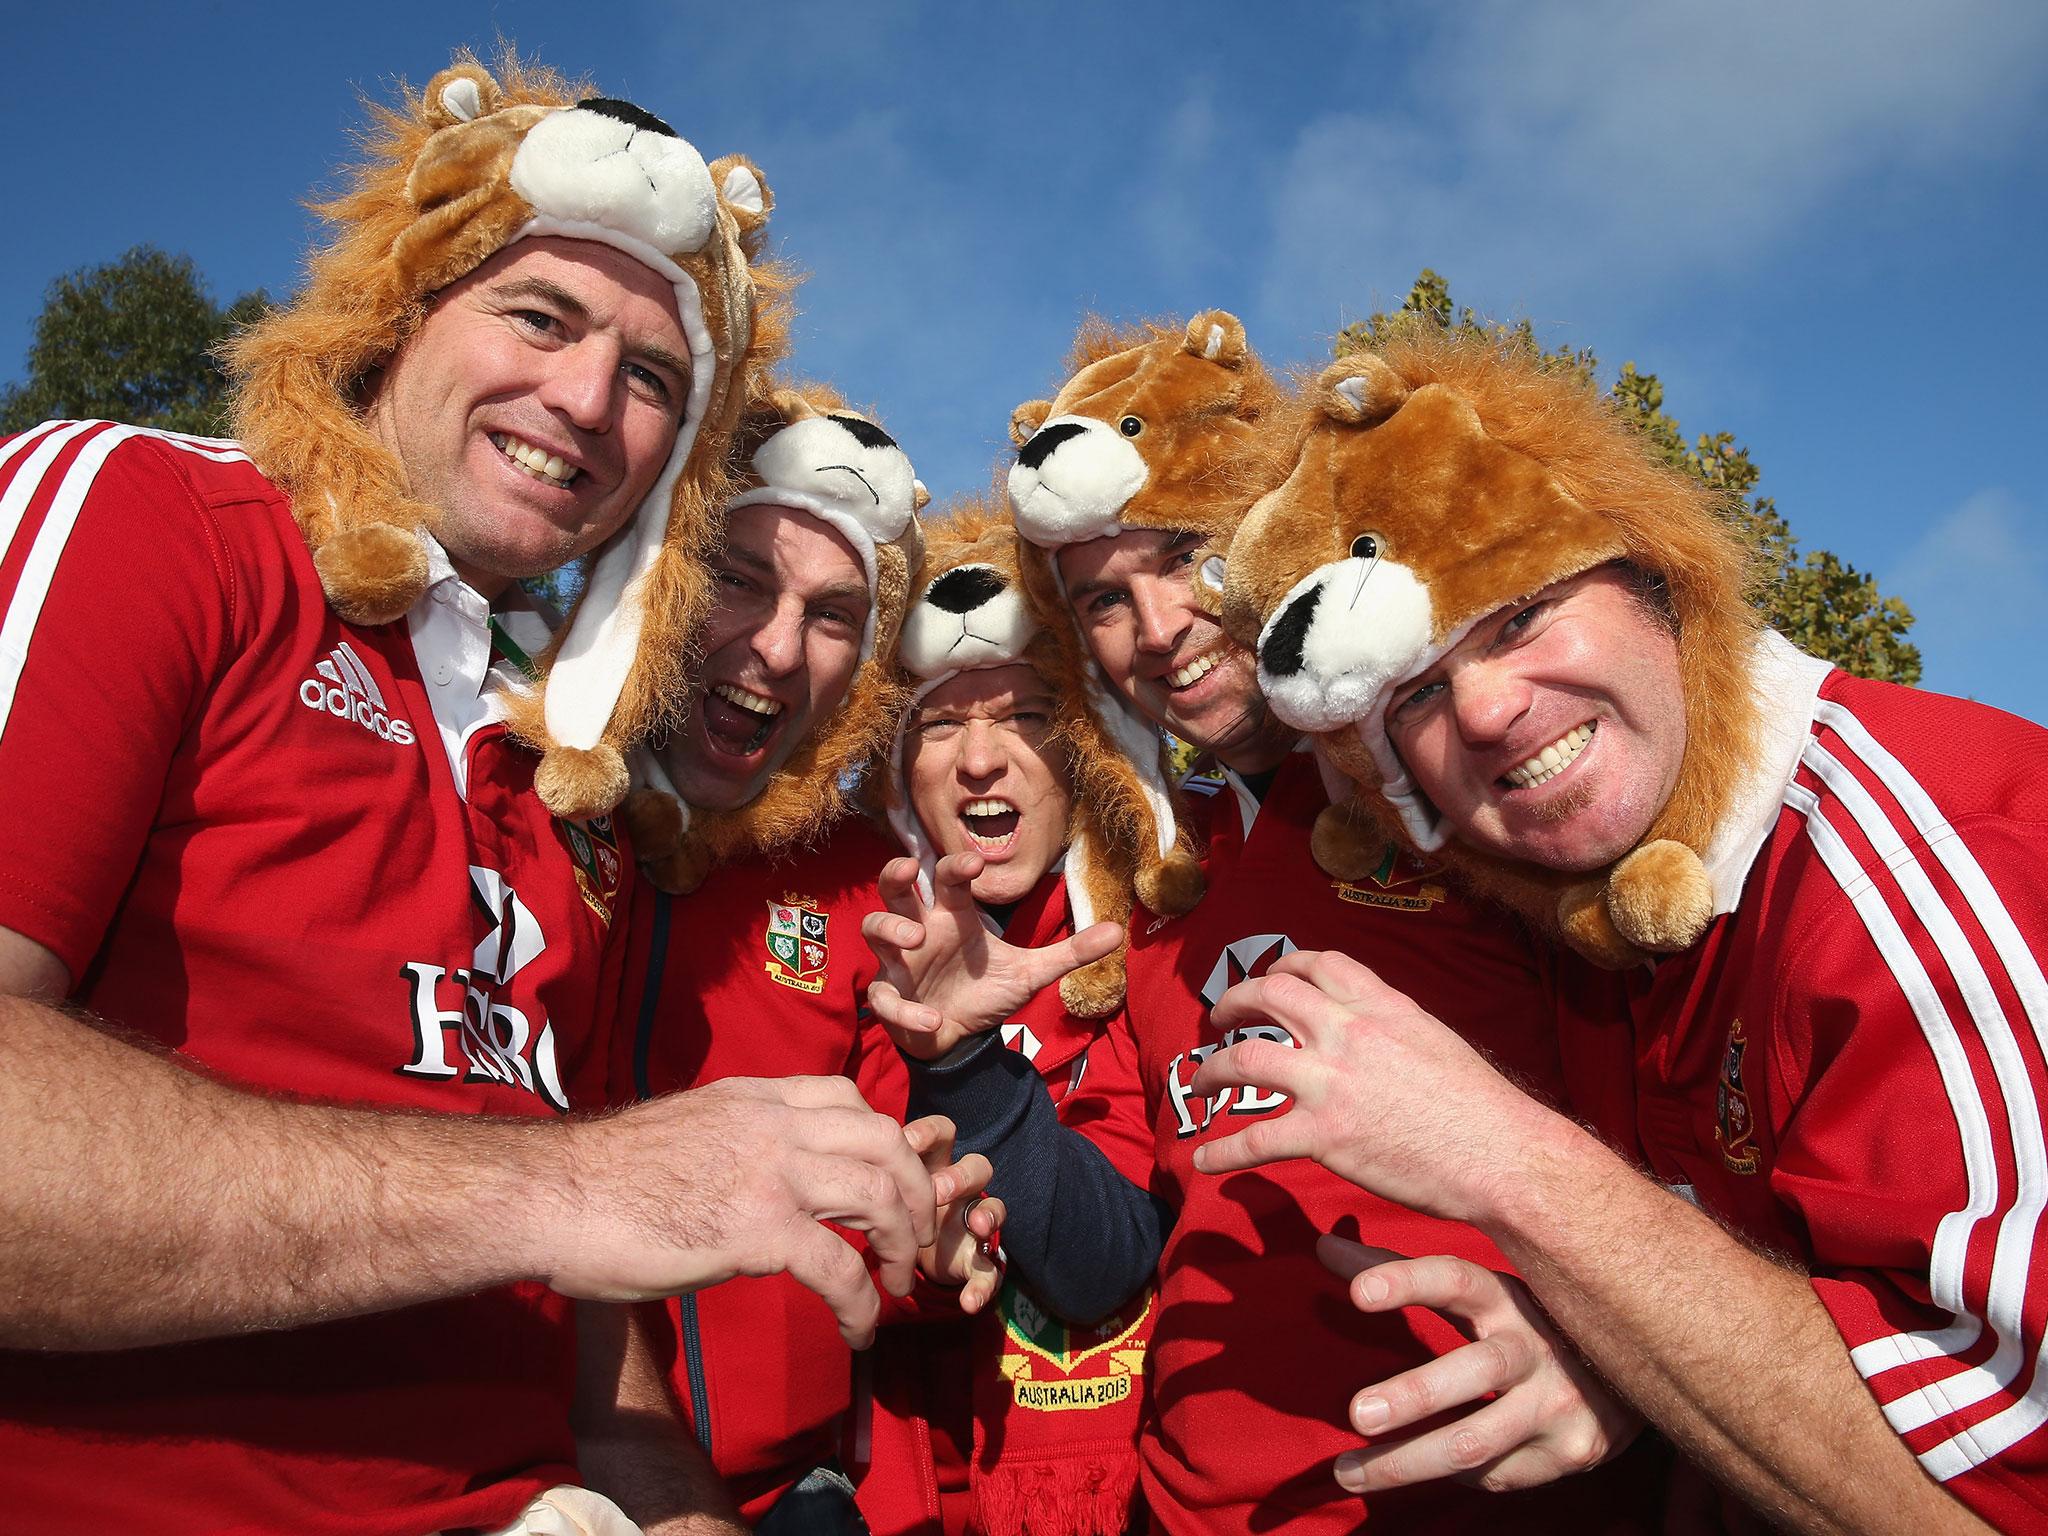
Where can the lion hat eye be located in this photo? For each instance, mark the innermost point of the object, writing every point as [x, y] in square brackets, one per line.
[1368, 546]
[1130, 426]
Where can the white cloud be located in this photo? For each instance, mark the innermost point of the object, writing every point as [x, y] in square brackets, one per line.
[1977, 582]
[1557, 152]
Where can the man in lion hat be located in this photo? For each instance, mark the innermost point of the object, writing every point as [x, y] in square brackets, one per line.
[291, 1242]
[1132, 488]
[1528, 643]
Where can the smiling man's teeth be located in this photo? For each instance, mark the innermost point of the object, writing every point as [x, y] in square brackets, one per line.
[1200, 667]
[537, 462]
[741, 699]
[1552, 760]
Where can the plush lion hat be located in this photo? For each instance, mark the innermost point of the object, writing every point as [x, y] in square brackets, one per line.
[804, 450]
[973, 611]
[454, 176]
[1442, 479]
[1169, 427]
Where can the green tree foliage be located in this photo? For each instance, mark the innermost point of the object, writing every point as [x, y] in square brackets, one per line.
[130, 341]
[1815, 598]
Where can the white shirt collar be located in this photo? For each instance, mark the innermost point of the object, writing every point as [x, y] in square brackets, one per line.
[1786, 683]
[450, 627]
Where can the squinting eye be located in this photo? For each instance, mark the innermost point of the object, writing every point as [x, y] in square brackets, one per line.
[1365, 547]
[1130, 426]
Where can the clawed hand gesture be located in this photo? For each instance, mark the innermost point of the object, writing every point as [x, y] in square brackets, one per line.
[945, 976]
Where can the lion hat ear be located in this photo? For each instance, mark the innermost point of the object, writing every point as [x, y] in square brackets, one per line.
[803, 449]
[456, 174]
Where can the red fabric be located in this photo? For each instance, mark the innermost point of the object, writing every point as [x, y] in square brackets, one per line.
[1258, 1351]
[1849, 1069]
[777, 1376]
[275, 889]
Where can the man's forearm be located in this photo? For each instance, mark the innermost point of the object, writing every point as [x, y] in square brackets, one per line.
[1731, 1354]
[142, 1203]
[631, 1443]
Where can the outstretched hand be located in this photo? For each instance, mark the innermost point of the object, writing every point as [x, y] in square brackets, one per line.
[1549, 1416]
[944, 976]
[1384, 1095]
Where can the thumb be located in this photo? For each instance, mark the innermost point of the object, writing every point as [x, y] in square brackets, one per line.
[1046, 966]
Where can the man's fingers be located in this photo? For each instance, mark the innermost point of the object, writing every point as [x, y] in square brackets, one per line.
[1335, 974]
[829, 1265]
[888, 934]
[1043, 967]
[931, 1138]
[898, 888]
[1465, 1449]
[953, 879]
[1449, 1381]
[963, 1180]
[1469, 1292]
[1254, 1063]
[1292, 1002]
[985, 1217]
[1261, 1142]
[899, 1013]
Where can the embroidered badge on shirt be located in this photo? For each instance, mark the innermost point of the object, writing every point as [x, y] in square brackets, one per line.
[1402, 885]
[1735, 1129]
[797, 951]
[594, 851]
[1055, 1367]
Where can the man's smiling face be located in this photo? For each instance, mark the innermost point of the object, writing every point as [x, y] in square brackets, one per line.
[986, 776]
[780, 650]
[1553, 732]
[1154, 640]
[536, 405]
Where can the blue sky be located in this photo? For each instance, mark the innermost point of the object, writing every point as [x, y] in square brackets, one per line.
[1822, 224]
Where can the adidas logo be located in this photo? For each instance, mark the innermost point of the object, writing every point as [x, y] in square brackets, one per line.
[350, 693]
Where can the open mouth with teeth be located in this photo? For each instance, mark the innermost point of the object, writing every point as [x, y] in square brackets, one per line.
[1552, 760]
[991, 823]
[1194, 671]
[548, 468]
[737, 720]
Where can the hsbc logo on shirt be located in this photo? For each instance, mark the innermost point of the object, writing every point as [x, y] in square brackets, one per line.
[1239, 961]
[345, 689]
[483, 1038]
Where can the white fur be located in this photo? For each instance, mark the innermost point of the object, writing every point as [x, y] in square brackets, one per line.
[580, 165]
[992, 635]
[1081, 489]
[1373, 622]
[875, 487]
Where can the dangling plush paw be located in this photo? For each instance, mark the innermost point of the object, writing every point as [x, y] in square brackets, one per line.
[574, 783]
[1096, 990]
[654, 820]
[1583, 921]
[1346, 845]
[681, 869]
[1660, 897]
[372, 574]
[1171, 886]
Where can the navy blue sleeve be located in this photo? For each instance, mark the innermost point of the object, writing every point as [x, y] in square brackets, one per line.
[1081, 1237]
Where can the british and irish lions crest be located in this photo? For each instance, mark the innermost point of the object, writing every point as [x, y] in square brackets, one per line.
[797, 948]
